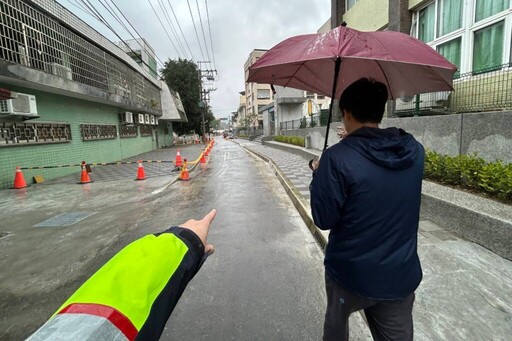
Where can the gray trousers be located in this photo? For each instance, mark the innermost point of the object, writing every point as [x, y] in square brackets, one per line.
[388, 320]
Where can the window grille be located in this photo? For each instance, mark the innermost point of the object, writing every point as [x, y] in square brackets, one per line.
[128, 131]
[33, 39]
[12, 133]
[98, 131]
[146, 130]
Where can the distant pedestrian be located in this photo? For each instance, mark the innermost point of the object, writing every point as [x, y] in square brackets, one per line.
[366, 190]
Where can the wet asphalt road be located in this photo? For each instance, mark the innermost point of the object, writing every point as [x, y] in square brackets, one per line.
[265, 280]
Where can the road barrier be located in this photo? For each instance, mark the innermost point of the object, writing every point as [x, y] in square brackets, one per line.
[98, 164]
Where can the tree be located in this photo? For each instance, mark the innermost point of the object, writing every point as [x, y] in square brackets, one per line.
[183, 76]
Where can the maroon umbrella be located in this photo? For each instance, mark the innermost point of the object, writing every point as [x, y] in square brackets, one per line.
[328, 63]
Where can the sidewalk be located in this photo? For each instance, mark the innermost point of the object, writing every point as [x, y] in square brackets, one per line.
[466, 292]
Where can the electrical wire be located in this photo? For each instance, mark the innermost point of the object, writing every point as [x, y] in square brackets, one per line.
[179, 26]
[195, 29]
[164, 28]
[93, 9]
[167, 17]
[129, 23]
[210, 31]
[202, 29]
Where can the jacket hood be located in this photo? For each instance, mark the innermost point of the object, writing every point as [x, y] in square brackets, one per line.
[391, 147]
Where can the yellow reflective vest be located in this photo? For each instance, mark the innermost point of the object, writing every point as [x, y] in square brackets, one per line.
[133, 294]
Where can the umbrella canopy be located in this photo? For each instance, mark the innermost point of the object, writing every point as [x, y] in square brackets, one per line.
[307, 62]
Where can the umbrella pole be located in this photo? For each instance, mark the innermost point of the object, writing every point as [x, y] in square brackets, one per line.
[337, 65]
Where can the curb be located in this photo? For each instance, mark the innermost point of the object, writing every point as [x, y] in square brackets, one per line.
[482, 221]
[300, 204]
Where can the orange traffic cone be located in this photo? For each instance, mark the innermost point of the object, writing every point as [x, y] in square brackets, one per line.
[206, 152]
[203, 160]
[184, 175]
[19, 180]
[84, 178]
[178, 162]
[141, 175]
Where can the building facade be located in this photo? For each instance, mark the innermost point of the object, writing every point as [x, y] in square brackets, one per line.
[475, 35]
[256, 95]
[73, 95]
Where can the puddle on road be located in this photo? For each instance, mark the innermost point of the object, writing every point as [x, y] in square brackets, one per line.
[65, 219]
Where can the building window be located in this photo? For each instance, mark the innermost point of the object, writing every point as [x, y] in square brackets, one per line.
[263, 94]
[427, 23]
[449, 16]
[33, 133]
[487, 8]
[127, 131]
[91, 132]
[472, 34]
[488, 48]
[350, 3]
[146, 130]
[451, 50]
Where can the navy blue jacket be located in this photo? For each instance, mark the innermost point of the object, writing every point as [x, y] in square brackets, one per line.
[367, 191]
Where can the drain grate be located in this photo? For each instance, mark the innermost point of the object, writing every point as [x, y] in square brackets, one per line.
[65, 219]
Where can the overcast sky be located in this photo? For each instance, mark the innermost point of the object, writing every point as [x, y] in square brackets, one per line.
[237, 27]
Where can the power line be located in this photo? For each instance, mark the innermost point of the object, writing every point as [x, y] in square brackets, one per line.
[202, 29]
[164, 28]
[179, 26]
[195, 29]
[210, 31]
[173, 30]
[102, 19]
[129, 23]
[111, 11]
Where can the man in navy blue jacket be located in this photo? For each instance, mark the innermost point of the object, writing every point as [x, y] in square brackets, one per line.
[366, 190]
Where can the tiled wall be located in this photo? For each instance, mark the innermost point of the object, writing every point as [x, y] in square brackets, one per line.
[57, 108]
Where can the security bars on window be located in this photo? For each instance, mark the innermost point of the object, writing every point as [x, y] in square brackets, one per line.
[33, 39]
[33, 133]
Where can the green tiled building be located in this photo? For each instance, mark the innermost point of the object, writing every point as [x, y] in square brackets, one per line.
[73, 95]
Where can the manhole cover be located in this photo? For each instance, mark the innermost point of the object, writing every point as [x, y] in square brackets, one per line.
[65, 219]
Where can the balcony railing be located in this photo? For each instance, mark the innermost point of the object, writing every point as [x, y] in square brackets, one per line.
[31, 38]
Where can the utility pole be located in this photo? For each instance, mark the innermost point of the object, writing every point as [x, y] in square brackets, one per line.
[210, 76]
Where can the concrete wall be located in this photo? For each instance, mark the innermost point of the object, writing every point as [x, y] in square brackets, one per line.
[367, 15]
[489, 135]
[415, 3]
[317, 135]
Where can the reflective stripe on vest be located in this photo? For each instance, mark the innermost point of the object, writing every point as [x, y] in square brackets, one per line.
[78, 327]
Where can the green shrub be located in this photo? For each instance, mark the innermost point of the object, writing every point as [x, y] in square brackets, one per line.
[471, 172]
[295, 140]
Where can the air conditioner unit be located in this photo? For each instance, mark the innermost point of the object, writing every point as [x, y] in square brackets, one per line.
[126, 117]
[147, 120]
[431, 100]
[62, 71]
[152, 120]
[140, 118]
[23, 105]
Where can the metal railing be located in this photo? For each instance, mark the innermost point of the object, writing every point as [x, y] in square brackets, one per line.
[482, 90]
[313, 121]
[31, 38]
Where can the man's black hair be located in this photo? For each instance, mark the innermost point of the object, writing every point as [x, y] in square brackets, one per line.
[365, 99]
